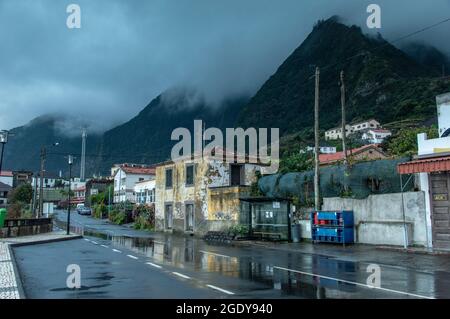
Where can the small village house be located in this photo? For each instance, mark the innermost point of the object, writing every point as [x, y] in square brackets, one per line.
[364, 153]
[336, 133]
[433, 166]
[376, 136]
[145, 192]
[50, 180]
[200, 194]
[21, 177]
[125, 178]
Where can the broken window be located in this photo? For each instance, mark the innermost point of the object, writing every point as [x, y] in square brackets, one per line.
[190, 174]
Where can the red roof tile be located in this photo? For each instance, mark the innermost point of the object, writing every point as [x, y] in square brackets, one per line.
[6, 173]
[436, 164]
[329, 158]
[139, 170]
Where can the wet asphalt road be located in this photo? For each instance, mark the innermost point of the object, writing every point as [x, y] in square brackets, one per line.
[123, 265]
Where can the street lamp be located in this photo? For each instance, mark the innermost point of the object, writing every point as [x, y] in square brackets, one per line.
[3, 140]
[70, 160]
[41, 186]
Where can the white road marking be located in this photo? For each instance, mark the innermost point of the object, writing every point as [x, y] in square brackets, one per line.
[94, 242]
[86, 239]
[116, 250]
[133, 257]
[154, 265]
[214, 254]
[220, 289]
[181, 275]
[353, 283]
[104, 246]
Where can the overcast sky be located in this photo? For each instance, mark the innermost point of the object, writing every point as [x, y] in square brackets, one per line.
[128, 52]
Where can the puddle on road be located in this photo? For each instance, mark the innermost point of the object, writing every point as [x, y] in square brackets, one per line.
[191, 252]
[182, 252]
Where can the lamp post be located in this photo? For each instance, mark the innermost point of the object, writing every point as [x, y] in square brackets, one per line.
[70, 160]
[3, 140]
[41, 182]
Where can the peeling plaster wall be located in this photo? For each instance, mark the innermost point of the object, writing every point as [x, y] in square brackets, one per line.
[216, 204]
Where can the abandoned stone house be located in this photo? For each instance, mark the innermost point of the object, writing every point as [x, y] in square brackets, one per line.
[200, 194]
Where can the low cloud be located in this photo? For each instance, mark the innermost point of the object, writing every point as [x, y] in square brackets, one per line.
[128, 52]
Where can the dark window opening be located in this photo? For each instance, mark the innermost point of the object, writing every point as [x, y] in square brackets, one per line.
[190, 175]
[169, 178]
[236, 175]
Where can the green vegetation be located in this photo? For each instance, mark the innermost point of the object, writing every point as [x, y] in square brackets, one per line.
[404, 142]
[19, 200]
[117, 216]
[144, 217]
[239, 229]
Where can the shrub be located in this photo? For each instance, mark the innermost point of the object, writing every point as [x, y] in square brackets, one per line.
[117, 216]
[239, 229]
[98, 211]
[144, 217]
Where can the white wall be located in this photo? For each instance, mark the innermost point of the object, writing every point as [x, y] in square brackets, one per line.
[8, 180]
[379, 218]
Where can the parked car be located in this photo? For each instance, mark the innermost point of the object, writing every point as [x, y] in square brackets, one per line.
[83, 210]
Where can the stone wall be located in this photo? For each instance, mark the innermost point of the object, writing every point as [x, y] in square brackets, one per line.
[25, 227]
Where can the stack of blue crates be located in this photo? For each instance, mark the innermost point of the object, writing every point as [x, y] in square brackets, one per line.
[332, 227]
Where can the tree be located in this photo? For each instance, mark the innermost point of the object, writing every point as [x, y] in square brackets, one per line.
[22, 194]
[404, 142]
[296, 162]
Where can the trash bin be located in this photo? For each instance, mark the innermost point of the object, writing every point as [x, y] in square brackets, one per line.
[2, 217]
[295, 233]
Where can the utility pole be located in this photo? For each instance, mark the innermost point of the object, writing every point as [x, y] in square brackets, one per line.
[33, 207]
[83, 154]
[41, 183]
[344, 130]
[316, 138]
[70, 160]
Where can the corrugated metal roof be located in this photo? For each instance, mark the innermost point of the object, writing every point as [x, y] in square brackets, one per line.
[437, 164]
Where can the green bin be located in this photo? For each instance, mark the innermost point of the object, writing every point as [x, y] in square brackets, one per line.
[2, 216]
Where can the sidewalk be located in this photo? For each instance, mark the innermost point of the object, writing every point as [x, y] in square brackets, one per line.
[10, 283]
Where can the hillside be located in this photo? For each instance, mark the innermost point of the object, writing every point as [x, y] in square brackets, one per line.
[146, 137]
[381, 81]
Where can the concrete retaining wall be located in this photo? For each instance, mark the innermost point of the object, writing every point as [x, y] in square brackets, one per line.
[379, 218]
[25, 227]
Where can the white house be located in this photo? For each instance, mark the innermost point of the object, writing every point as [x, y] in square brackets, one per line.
[376, 136]
[7, 177]
[50, 180]
[322, 149]
[145, 191]
[126, 177]
[336, 133]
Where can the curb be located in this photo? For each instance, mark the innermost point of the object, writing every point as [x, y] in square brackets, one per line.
[45, 241]
[17, 274]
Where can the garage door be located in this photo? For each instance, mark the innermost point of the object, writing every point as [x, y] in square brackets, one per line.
[440, 199]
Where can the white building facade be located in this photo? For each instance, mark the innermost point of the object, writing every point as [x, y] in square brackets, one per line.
[145, 192]
[376, 136]
[125, 178]
[336, 133]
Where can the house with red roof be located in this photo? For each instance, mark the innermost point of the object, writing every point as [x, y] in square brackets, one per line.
[364, 153]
